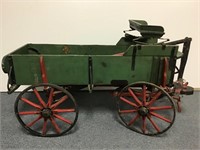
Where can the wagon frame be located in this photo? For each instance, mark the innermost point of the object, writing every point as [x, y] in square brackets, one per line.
[141, 69]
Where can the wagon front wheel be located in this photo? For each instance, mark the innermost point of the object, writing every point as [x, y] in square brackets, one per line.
[146, 108]
[46, 110]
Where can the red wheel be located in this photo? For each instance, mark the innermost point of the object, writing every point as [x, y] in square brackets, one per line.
[146, 108]
[46, 110]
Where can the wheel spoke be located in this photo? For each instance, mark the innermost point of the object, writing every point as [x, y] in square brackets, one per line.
[144, 95]
[63, 110]
[154, 124]
[56, 92]
[154, 98]
[137, 93]
[29, 112]
[160, 108]
[153, 94]
[34, 121]
[125, 94]
[44, 128]
[160, 117]
[39, 98]
[127, 111]
[144, 124]
[59, 102]
[50, 99]
[63, 119]
[133, 120]
[128, 102]
[31, 103]
[134, 96]
[58, 130]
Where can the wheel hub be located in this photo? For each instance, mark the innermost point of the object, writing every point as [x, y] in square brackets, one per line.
[143, 111]
[46, 112]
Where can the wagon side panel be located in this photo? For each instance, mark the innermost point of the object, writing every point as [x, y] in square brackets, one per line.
[144, 63]
[114, 69]
[61, 70]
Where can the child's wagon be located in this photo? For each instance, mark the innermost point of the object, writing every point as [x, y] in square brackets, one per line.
[141, 69]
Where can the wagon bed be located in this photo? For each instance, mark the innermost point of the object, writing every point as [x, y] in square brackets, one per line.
[142, 69]
[69, 64]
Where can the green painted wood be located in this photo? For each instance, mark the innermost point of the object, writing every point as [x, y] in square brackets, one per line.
[153, 50]
[60, 69]
[53, 49]
[68, 64]
[111, 68]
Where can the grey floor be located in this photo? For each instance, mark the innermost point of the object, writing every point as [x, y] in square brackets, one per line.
[98, 127]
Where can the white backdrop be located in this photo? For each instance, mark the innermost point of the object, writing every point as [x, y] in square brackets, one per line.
[96, 22]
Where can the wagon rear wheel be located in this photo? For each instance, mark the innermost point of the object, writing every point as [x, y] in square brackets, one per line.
[46, 110]
[146, 108]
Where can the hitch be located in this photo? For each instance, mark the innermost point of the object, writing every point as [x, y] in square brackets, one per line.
[181, 87]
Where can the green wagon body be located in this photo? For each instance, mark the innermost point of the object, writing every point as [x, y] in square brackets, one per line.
[142, 60]
[142, 69]
[71, 68]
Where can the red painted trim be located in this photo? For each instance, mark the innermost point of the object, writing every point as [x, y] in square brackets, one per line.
[134, 96]
[179, 106]
[144, 94]
[63, 110]
[31, 103]
[43, 70]
[44, 128]
[144, 125]
[127, 111]
[154, 98]
[178, 99]
[138, 94]
[160, 117]
[34, 121]
[119, 54]
[128, 102]
[154, 124]
[160, 108]
[39, 98]
[58, 130]
[50, 99]
[133, 120]
[166, 66]
[63, 119]
[62, 99]
[29, 112]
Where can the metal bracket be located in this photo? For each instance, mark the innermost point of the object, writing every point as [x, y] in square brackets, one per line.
[11, 87]
[133, 57]
[90, 75]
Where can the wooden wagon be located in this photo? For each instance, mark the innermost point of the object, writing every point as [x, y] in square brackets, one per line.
[141, 69]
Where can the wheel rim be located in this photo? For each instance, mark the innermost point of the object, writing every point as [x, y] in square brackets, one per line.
[146, 108]
[46, 110]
